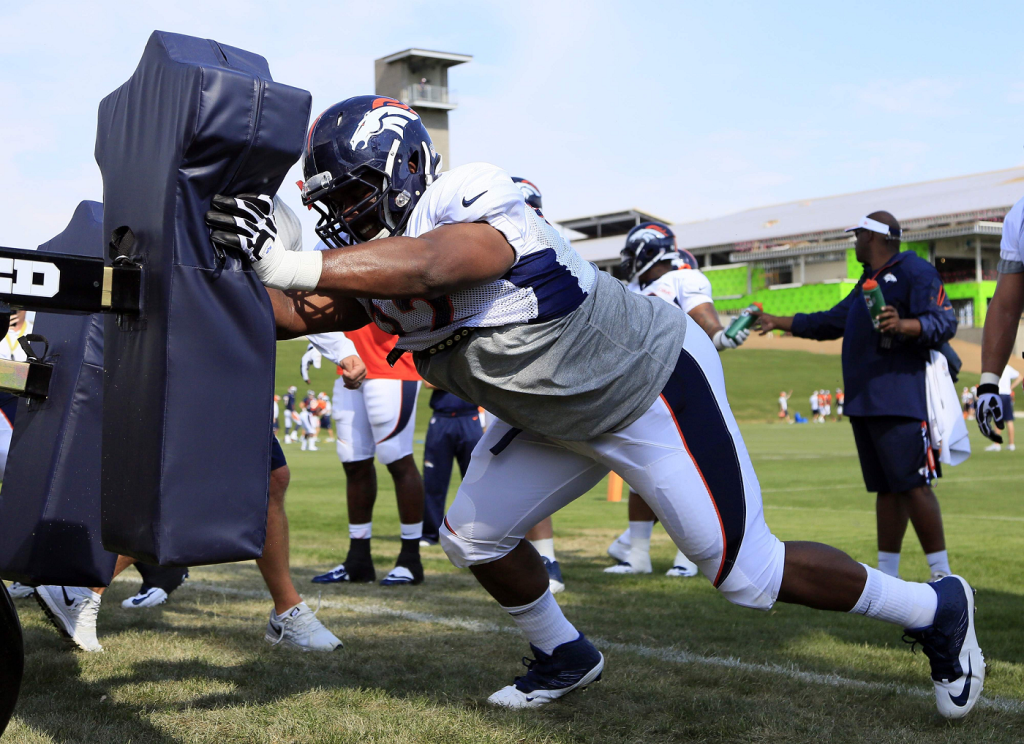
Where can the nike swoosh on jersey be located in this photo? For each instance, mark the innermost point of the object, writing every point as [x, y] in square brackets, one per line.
[961, 700]
[468, 202]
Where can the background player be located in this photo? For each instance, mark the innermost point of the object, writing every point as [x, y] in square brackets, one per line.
[653, 265]
[452, 434]
[583, 376]
[378, 418]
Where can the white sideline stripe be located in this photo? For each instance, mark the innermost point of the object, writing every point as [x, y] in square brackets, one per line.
[668, 655]
[946, 515]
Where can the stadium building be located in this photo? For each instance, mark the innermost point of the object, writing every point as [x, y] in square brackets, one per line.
[795, 257]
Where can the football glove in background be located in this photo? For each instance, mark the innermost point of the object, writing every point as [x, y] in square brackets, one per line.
[989, 411]
[243, 223]
[723, 342]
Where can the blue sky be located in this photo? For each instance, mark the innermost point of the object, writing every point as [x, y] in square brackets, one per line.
[688, 110]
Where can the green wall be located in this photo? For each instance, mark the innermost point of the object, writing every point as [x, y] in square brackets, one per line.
[811, 298]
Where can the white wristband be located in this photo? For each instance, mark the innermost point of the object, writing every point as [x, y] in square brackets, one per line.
[281, 269]
[989, 378]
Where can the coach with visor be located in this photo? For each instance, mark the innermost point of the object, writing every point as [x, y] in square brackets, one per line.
[884, 380]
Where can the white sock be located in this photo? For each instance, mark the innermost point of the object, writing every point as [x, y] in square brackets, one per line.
[623, 539]
[938, 561]
[546, 548]
[412, 531]
[303, 445]
[889, 563]
[642, 530]
[360, 531]
[543, 623]
[640, 543]
[904, 603]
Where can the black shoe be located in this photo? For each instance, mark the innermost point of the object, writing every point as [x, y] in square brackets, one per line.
[356, 572]
[406, 571]
[571, 666]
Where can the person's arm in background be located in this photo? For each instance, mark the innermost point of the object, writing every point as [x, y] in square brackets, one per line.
[823, 326]
[339, 349]
[1001, 323]
[931, 318]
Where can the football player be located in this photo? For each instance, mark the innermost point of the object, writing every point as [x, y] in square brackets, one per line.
[652, 264]
[583, 376]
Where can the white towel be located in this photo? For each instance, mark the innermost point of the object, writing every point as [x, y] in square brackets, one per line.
[946, 425]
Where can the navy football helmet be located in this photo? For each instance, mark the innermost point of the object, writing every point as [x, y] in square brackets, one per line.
[530, 192]
[367, 162]
[686, 260]
[647, 244]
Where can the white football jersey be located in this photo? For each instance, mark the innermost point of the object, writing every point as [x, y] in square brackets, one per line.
[685, 288]
[547, 281]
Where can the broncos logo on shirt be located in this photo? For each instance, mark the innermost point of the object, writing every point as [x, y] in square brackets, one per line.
[387, 114]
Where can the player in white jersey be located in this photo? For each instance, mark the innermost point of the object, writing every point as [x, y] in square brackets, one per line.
[654, 265]
[584, 376]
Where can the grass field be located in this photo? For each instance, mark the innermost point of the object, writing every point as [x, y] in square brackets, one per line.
[682, 663]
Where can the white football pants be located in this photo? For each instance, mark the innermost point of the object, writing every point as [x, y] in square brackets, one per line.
[685, 456]
[378, 418]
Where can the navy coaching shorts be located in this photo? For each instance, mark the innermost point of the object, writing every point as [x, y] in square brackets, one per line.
[1007, 406]
[895, 453]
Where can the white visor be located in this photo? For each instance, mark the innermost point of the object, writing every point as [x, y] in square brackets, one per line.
[866, 223]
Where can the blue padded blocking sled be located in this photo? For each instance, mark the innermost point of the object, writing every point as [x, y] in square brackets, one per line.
[188, 384]
[50, 500]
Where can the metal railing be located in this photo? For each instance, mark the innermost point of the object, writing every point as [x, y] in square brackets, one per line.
[420, 93]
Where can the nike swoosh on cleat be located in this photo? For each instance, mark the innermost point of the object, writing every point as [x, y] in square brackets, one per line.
[275, 628]
[69, 602]
[139, 600]
[530, 699]
[467, 202]
[961, 700]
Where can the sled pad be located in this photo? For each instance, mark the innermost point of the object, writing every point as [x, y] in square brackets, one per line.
[188, 382]
[50, 500]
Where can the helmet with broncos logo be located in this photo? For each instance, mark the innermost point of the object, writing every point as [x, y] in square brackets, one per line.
[367, 162]
[647, 244]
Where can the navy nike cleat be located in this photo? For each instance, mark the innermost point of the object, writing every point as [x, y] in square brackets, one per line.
[356, 573]
[555, 582]
[571, 666]
[408, 572]
[958, 666]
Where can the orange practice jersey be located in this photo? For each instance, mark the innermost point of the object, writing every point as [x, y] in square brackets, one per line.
[372, 345]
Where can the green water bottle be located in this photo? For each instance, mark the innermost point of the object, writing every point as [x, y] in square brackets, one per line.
[874, 300]
[744, 320]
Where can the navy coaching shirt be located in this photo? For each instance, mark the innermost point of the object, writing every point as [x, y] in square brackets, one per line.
[444, 402]
[884, 375]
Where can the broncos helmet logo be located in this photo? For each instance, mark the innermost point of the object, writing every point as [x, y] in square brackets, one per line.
[387, 114]
[646, 235]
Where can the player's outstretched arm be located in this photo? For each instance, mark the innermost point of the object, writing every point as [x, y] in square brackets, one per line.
[442, 261]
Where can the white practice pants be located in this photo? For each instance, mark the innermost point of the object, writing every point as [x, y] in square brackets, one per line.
[685, 456]
[378, 418]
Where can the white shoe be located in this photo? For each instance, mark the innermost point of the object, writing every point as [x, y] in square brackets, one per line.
[299, 628]
[638, 563]
[994, 447]
[682, 567]
[72, 610]
[1011, 447]
[20, 591]
[313, 448]
[619, 550]
[150, 598]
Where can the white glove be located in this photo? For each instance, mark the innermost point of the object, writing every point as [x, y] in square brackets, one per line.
[989, 410]
[723, 342]
[245, 223]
